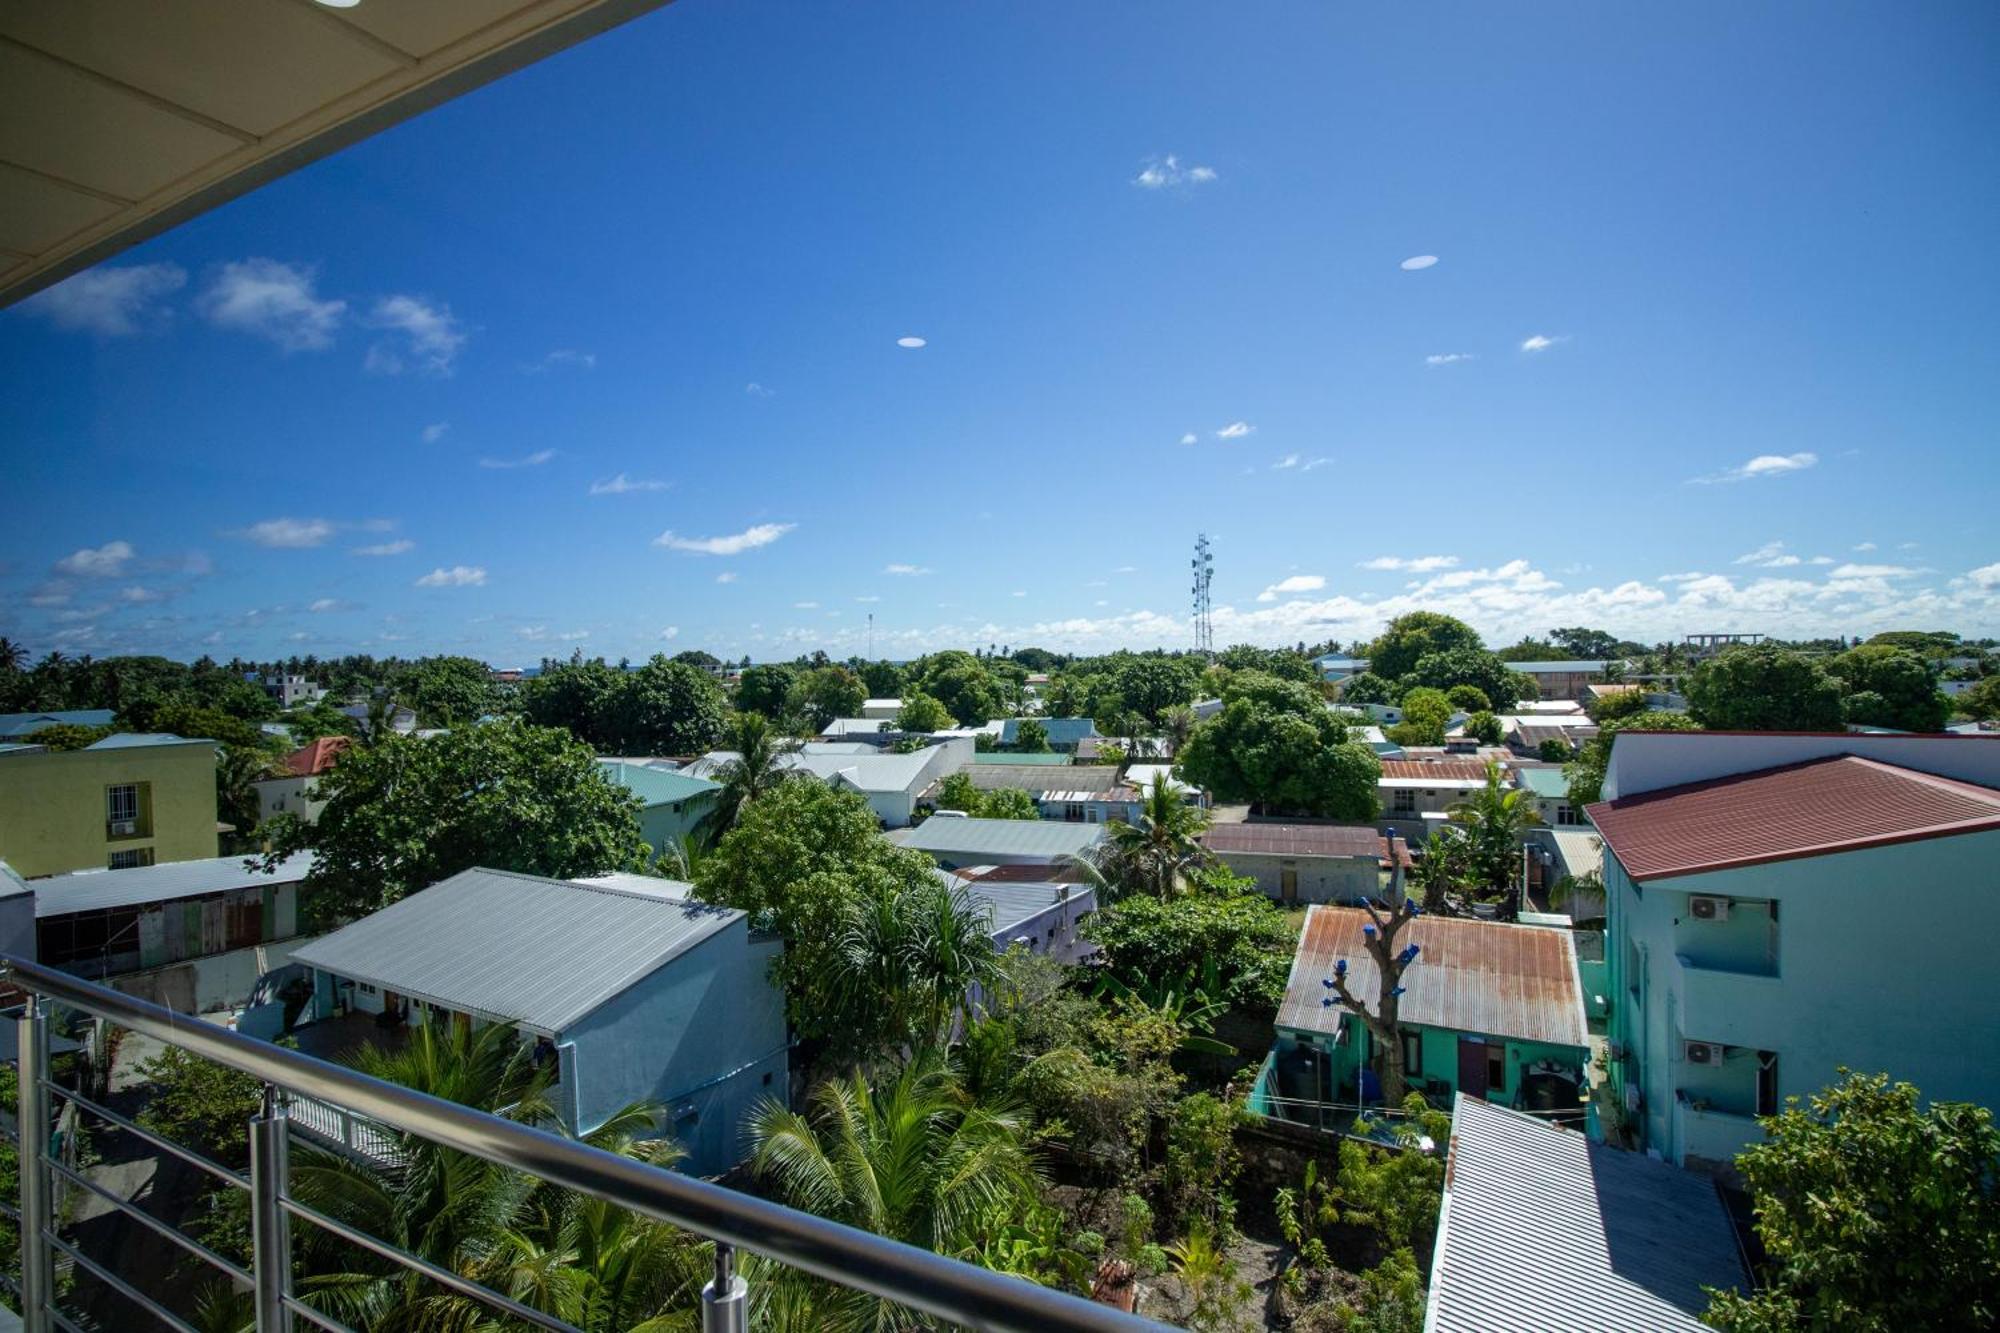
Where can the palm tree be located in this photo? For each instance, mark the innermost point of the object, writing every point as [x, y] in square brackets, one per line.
[759, 766]
[1157, 853]
[905, 959]
[1494, 819]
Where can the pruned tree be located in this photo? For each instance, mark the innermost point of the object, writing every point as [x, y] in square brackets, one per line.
[1384, 1021]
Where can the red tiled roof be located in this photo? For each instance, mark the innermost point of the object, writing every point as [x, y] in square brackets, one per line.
[1482, 977]
[1435, 768]
[1836, 804]
[312, 760]
[1294, 839]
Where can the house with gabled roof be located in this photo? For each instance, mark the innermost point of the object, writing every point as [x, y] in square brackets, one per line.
[1781, 905]
[294, 790]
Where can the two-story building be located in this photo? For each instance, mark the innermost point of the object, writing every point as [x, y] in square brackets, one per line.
[295, 790]
[673, 804]
[1564, 679]
[129, 800]
[1782, 905]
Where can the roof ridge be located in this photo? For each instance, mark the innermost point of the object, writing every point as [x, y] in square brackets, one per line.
[1929, 779]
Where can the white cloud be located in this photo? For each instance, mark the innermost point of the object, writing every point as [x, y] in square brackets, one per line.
[429, 341]
[458, 576]
[869, 598]
[435, 431]
[1449, 358]
[1166, 173]
[911, 341]
[805, 606]
[1763, 465]
[138, 596]
[1688, 577]
[323, 604]
[1542, 342]
[1288, 461]
[671, 632]
[110, 302]
[906, 570]
[1020, 592]
[726, 576]
[1235, 430]
[1417, 262]
[1986, 576]
[288, 533]
[536, 459]
[756, 390]
[1296, 583]
[565, 357]
[762, 534]
[1126, 569]
[1865, 546]
[401, 546]
[1822, 560]
[1188, 438]
[1419, 564]
[271, 300]
[102, 562]
[624, 485]
[1853, 571]
[1312, 463]
[1906, 546]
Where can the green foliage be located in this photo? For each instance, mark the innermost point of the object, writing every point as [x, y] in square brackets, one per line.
[1275, 743]
[922, 713]
[1610, 707]
[404, 814]
[1284, 663]
[1410, 637]
[1486, 729]
[1472, 668]
[1469, 699]
[1031, 737]
[664, 707]
[580, 697]
[1493, 819]
[906, 951]
[825, 693]
[1366, 687]
[67, 736]
[960, 682]
[1877, 1215]
[1924, 643]
[758, 766]
[1982, 700]
[1009, 803]
[883, 679]
[1244, 936]
[1426, 714]
[1396, 1191]
[1763, 688]
[1553, 751]
[448, 691]
[1890, 687]
[957, 792]
[766, 689]
[1388, 1299]
[1586, 771]
[201, 1105]
[1202, 1162]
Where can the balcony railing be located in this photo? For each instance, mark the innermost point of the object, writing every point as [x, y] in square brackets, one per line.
[955, 1292]
[1724, 1004]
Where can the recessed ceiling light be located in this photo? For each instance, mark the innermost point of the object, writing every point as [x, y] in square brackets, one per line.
[909, 342]
[1415, 262]
[340, 4]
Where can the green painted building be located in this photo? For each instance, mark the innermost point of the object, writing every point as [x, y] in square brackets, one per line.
[674, 803]
[1490, 1010]
[129, 800]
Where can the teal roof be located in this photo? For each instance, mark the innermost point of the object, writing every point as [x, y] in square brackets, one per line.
[657, 786]
[1049, 760]
[134, 740]
[1547, 783]
[25, 724]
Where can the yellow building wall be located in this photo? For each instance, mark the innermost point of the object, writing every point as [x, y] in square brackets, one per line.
[53, 806]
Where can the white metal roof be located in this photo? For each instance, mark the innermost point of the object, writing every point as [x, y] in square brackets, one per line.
[1543, 1229]
[1049, 838]
[94, 890]
[517, 948]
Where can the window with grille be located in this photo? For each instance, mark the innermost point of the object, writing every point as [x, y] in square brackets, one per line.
[121, 803]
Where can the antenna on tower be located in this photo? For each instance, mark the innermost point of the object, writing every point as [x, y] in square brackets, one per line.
[871, 636]
[1204, 574]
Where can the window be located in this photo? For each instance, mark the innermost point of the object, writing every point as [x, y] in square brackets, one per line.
[1767, 1083]
[1073, 813]
[367, 989]
[125, 810]
[1496, 1068]
[1566, 814]
[1413, 1054]
[1405, 802]
[131, 860]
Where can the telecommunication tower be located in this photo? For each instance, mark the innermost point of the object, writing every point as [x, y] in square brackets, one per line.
[1204, 574]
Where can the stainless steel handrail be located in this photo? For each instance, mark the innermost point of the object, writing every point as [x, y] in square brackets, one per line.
[959, 1292]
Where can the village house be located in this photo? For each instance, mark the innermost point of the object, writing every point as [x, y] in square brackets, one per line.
[672, 804]
[296, 790]
[1562, 680]
[1072, 793]
[1416, 793]
[955, 843]
[1313, 863]
[890, 783]
[128, 800]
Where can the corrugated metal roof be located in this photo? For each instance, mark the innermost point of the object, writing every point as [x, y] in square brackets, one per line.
[1039, 778]
[1474, 769]
[94, 890]
[24, 724]
[140, 740]
[1024, 760]
[1341, 840]
[1835, 804]
[1061, 730]
[519, 948]
[1481, 977]
[656, 786]
[1000, 837]
[1551, 668]
[1582, 852]
[1547, 783]
[1543, 1229]
[1142, 775]
[1013, 903]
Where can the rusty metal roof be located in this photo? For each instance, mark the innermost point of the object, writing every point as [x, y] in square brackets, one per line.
[1835, 804]
[1474, 769]
[1480, 977]
[1294, 840]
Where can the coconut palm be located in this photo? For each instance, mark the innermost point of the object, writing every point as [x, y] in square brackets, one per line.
[905, 958]
[914, 1160]
[1156, 853]
[758, 766]
[1494, 819]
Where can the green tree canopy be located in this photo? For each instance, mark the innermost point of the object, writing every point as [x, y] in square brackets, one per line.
[920, 712]
[579, 696]
[883, 679]
[1426, 714]
[1365, 687]
[1877, 1215]
[1284, 663]
[1458, 667]
[960, 682]
[1889, 686]
[1409, 637]
[1469, 699]
[1763, 688]
[1275, 743]
[668, 708]
[825, 693]
[402, 815]
[1581, 644]
[448, 691]
[1586, 771]
[1031, 737]
[767, 689]
[1148, 942]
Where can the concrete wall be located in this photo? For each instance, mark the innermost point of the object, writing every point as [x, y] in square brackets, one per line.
[704, 1036]
[204, 985]
[663, 825]
[1340, 1063]
[52, 806]
[1647, 762]
[1882, 963]
[291, 795]
[1321, 879]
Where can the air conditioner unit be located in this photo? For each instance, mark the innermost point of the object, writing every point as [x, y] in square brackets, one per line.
[1704, 908]
[124, 828]
[1702, 1052]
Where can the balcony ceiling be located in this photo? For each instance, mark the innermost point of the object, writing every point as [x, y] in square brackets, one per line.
[119, 120]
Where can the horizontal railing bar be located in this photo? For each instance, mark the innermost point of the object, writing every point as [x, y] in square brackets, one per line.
[958, 1292]
[11, 1213]
[151, 1223]
[120, 1285]
[444, 1277]
[63, 1320]
[314, 1317]
[188, 1155]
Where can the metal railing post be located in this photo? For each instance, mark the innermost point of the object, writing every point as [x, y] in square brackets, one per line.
[725, 1301]
[270, 1226]
[37, 1220]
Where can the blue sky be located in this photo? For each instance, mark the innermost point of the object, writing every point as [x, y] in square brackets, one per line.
[606, 355]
